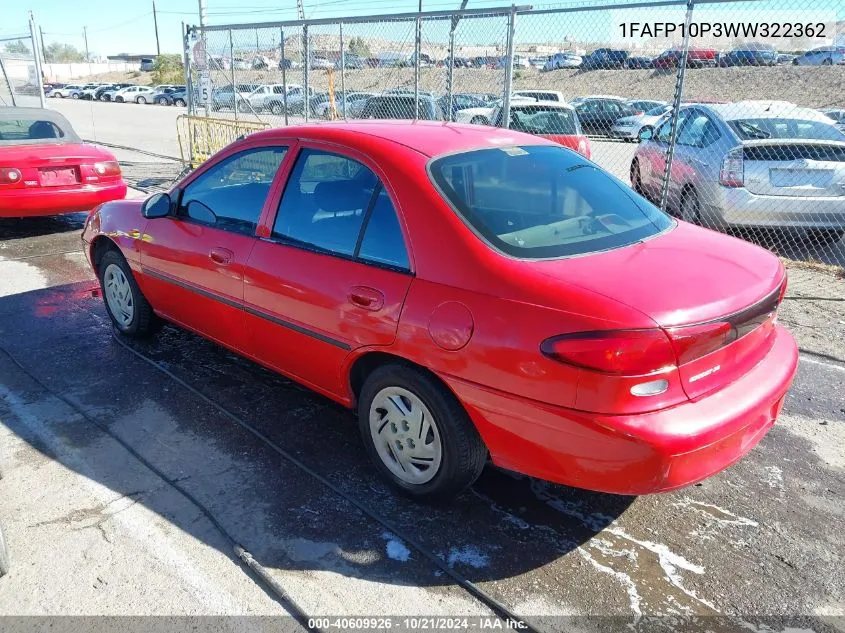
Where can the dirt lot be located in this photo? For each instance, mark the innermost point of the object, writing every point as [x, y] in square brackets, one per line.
[814, 87]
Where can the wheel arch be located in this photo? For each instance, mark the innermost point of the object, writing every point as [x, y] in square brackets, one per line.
[367, 362]
[100, 245]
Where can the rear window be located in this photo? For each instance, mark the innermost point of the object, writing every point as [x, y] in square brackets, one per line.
[536, 202]
[753, 129]
[15, 131]
[544, 120]
[397, 108]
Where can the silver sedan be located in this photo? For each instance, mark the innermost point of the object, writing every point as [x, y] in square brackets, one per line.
[749, 164]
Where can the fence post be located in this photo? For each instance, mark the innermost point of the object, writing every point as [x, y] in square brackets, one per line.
[37, 56]
[283, 64]
[232, 68]
[449, 72]
[189, 81]
[342, 73]
[676, 105]
[417, 43]
[306, 51]
[8, 83]
[506, 98]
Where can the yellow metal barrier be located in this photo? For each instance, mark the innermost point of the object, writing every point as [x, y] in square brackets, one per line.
[200, 137]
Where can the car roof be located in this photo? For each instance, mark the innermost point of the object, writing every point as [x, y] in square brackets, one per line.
[430, 138]
[560, 105]
[765, 110]
[12, 113]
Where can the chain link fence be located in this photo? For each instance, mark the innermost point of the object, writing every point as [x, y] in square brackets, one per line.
[19, 73]
[727, 114]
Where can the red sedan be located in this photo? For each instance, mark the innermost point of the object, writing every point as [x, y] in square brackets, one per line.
[46, 169]
[471, 292]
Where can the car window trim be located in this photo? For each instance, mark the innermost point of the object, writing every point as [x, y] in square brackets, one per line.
[286, 169]
[180, 191]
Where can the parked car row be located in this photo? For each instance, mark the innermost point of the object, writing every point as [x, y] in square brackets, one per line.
[750, 55]
[163, 94]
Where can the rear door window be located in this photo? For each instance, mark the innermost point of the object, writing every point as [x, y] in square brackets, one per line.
[535, 202]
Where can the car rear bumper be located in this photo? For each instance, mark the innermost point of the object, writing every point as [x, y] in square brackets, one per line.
[55, 200]
[628, 131]
[740, 207]
[634, 454]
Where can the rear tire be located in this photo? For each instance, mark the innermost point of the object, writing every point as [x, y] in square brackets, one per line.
[132, 316]
[74, 96]
[179, 102]
[824, 237]
[161, 101]
[276, 108]
[404, 413]
[140, 100]
[478, 120]
[637, 179]
[689, 210]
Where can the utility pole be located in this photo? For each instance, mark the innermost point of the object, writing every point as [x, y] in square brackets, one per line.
[35, 54]
[87, 54]
[43, 48]
[155, 24]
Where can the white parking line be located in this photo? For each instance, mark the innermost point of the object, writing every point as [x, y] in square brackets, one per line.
[825, 363]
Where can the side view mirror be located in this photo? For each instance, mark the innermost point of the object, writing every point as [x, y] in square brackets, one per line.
[157, 206]
[646, 133]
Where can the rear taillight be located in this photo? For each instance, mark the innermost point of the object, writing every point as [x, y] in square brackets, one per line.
[584, 148]
[630, 352]
[694, 341]
[732, 173]
[782, 292]
[107, 168]
[9, 176]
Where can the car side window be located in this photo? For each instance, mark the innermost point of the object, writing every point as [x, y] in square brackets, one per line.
[382, 241]
[664, 133]
[324, 202]
[234, 190]
[698, 131]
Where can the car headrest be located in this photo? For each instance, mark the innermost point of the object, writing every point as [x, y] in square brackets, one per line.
[342, 195]
[42, 129]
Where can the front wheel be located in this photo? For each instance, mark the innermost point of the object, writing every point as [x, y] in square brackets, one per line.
[690, 207]
[179, 102]
[161, 101]
[636, 178]
[74, 96]
[119, 99]
[276, 108]
[129, 310]
[417, 434]
[140, 100]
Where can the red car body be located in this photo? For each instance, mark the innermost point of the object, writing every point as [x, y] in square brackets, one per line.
[59, 175]
[513, 339]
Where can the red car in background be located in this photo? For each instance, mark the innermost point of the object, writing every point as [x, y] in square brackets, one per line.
[696, 58]
[46, 169]
[554, 120]
[471, 291]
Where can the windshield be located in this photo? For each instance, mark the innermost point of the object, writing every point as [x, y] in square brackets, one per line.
[544, 120]
[751, 129]
[544, 201]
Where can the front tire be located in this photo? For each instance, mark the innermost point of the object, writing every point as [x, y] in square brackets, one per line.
[417, 434]
[74, 96]
[276, 108]
[128, 309]
[179, 102]
[690, 207]
[161, 101]
[637, 179]
[140, 100]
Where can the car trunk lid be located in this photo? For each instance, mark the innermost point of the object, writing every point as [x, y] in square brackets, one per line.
[54, 165]
[690, 280]
[794, 167]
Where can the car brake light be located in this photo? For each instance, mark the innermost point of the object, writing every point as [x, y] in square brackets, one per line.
[732, 172]
[694, 341]
[631, 352]
[9, 176]
[782, 292]
[107, 168]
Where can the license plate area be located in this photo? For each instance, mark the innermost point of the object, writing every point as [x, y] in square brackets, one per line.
[802, 178]
[57, 176]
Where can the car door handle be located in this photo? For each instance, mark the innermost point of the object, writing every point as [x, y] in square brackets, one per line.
[222, 256]
[367, 298]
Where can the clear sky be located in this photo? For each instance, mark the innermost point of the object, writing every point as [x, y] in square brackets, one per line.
[118, 26]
